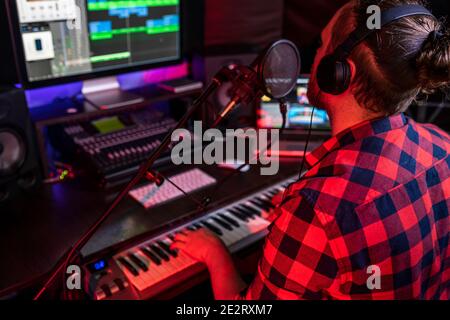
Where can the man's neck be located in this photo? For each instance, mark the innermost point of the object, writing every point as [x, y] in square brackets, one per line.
[347, 115]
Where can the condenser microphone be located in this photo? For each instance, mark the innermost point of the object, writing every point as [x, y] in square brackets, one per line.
[274, 73]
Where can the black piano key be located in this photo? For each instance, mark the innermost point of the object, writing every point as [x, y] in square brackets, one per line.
[250, 214]
[151, 256]
[192, 228]
[250, 209]
[138, 261]
[239, 215]
[159, 252]
[267, 202]
[229, 220]
[273, 192]
[167, 249]
[212, 228]
[222, 223]
[129, 266]
[198, 225]
[260, 204]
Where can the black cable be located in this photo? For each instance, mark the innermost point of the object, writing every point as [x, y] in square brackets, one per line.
[307, 143]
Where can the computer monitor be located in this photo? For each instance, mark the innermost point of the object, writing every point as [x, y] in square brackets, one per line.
[68, 40]
[299, 111]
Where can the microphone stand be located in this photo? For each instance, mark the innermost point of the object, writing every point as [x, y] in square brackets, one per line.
[67, 258]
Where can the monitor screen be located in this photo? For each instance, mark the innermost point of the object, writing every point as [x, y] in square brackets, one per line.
[299, 111]
[66, 38]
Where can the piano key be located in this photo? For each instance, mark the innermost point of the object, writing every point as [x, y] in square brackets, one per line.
[198, 225]
[212, 228]
[145, 276]
[166, 248]
[151, 255]
[129, 266]
[248, 213]
[170, 267]
[250, 209]
[137, 261]
[183, 258]
[228, 237]
[229, 220]
[222, 223]
[171, 237]
[238, 215]
[153, 273]
[159, 252]
[262, 199]
[241, 232]
[260, 205]
[267, 201]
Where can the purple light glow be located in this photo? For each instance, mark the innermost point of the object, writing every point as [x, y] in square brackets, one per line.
[45, 96]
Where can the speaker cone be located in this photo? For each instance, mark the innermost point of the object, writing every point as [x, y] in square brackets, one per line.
[12, 152]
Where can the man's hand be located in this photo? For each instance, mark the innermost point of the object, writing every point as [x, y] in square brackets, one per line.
[202, 245]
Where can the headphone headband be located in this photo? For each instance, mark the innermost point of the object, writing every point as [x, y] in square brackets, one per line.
[333, 72]
[387, 17]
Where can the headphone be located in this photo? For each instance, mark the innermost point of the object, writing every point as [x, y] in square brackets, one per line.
[334, 73]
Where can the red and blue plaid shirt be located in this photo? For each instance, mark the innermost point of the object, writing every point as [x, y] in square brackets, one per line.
[374, 203]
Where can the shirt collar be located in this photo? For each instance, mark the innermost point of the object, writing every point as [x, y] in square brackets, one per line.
[357, 132]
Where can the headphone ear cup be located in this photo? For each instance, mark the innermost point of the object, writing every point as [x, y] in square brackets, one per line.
[326, 74]
[333, 76]
[343, 76]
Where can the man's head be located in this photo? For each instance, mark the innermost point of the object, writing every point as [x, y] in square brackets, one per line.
[391, 66]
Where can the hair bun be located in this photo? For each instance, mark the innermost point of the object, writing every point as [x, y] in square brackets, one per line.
[433, 62]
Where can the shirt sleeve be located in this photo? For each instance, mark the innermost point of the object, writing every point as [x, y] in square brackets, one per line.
[297, 261]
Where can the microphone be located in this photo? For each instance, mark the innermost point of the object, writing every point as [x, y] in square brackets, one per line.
[274, 73]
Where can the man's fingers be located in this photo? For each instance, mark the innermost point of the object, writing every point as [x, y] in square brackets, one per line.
[178, 246]
[181, 237]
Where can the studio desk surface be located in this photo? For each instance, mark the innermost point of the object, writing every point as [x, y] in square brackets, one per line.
[37, 230]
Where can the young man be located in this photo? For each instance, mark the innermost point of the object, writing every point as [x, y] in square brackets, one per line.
[369, 220]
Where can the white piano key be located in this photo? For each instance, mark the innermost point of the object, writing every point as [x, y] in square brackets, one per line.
[239, 231]
[243, 226]
[152, 273]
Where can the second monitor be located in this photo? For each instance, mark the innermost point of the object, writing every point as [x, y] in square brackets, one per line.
[299, 111]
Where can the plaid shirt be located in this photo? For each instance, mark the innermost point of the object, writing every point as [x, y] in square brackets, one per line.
[375, 201]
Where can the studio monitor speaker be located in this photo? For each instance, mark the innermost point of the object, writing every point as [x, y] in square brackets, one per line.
[19, 164]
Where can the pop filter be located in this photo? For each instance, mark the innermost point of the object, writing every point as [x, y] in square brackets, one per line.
[278, 68]
[274, 74]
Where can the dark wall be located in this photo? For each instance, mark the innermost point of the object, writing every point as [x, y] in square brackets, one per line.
[247, 23]
[304, 20]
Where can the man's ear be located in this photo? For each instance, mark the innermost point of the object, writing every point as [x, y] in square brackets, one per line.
[352, 70]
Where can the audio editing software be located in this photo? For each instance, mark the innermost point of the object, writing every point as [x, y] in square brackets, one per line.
[72, 37]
